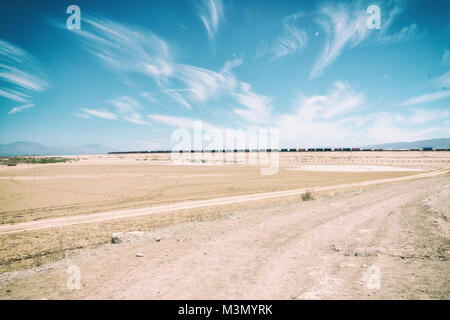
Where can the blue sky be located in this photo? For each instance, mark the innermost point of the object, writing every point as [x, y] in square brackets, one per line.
[138, 70]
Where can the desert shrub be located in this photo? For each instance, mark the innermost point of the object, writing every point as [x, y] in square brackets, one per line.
[307, 196]
[12, 161]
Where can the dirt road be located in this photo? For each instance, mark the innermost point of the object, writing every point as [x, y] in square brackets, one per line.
[104, 216]
[382, 241]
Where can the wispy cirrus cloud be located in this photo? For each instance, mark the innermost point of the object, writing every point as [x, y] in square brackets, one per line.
[446, 58]
[21, 108]
[291, 40]
[211, 14]
[178, 97]
[257, 107]
[14, 95]
[125, 108]
[345, 28]
[426, 98]
[406, 34]
[443, 80]
[203, 84]
[125, 48]
[138, 51]
[104, 114]
[129, 109]
[345, 25]
[231, 64]
[20, 76]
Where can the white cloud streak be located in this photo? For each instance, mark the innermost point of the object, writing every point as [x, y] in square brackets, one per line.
[175, 95]
[104, 114]
[426, 98]
[444, 80]
[257, 107]
[345, 27]
[125, 48]
[446, 58]
[128, 109]
[406, 34]
[21, 108]
[211, 14]
[20, 76]
[289, 42]
[133, 50]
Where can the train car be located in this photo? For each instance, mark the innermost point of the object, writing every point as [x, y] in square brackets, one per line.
[356, 149]
[311, 149]
[301, 150]
[327, 149]
[338, 149]
[292, 150]
[427, 149]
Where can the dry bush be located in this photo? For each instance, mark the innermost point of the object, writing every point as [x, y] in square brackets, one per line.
[307, 196]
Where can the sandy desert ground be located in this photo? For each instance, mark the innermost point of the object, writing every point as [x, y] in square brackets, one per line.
[225, 231]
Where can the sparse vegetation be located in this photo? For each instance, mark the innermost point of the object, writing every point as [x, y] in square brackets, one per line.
[13, 161]
[307, 196]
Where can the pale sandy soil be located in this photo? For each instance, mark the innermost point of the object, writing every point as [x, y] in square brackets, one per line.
[214, 202]
[354, 168]
[319, 249]
[228, 224]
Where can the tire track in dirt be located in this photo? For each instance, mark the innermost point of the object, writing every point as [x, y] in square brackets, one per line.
[104, 216]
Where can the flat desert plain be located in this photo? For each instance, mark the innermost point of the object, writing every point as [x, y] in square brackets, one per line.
[376, 227]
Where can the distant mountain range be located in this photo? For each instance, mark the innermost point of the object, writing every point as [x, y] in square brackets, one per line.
[432, 143]
[25, 148]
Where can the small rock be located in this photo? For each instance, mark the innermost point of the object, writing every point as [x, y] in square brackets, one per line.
[335, 248]
[356, 254]
[139, 254]
[293, 297]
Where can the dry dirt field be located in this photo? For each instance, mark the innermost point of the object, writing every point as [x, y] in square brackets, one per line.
[226, 231]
